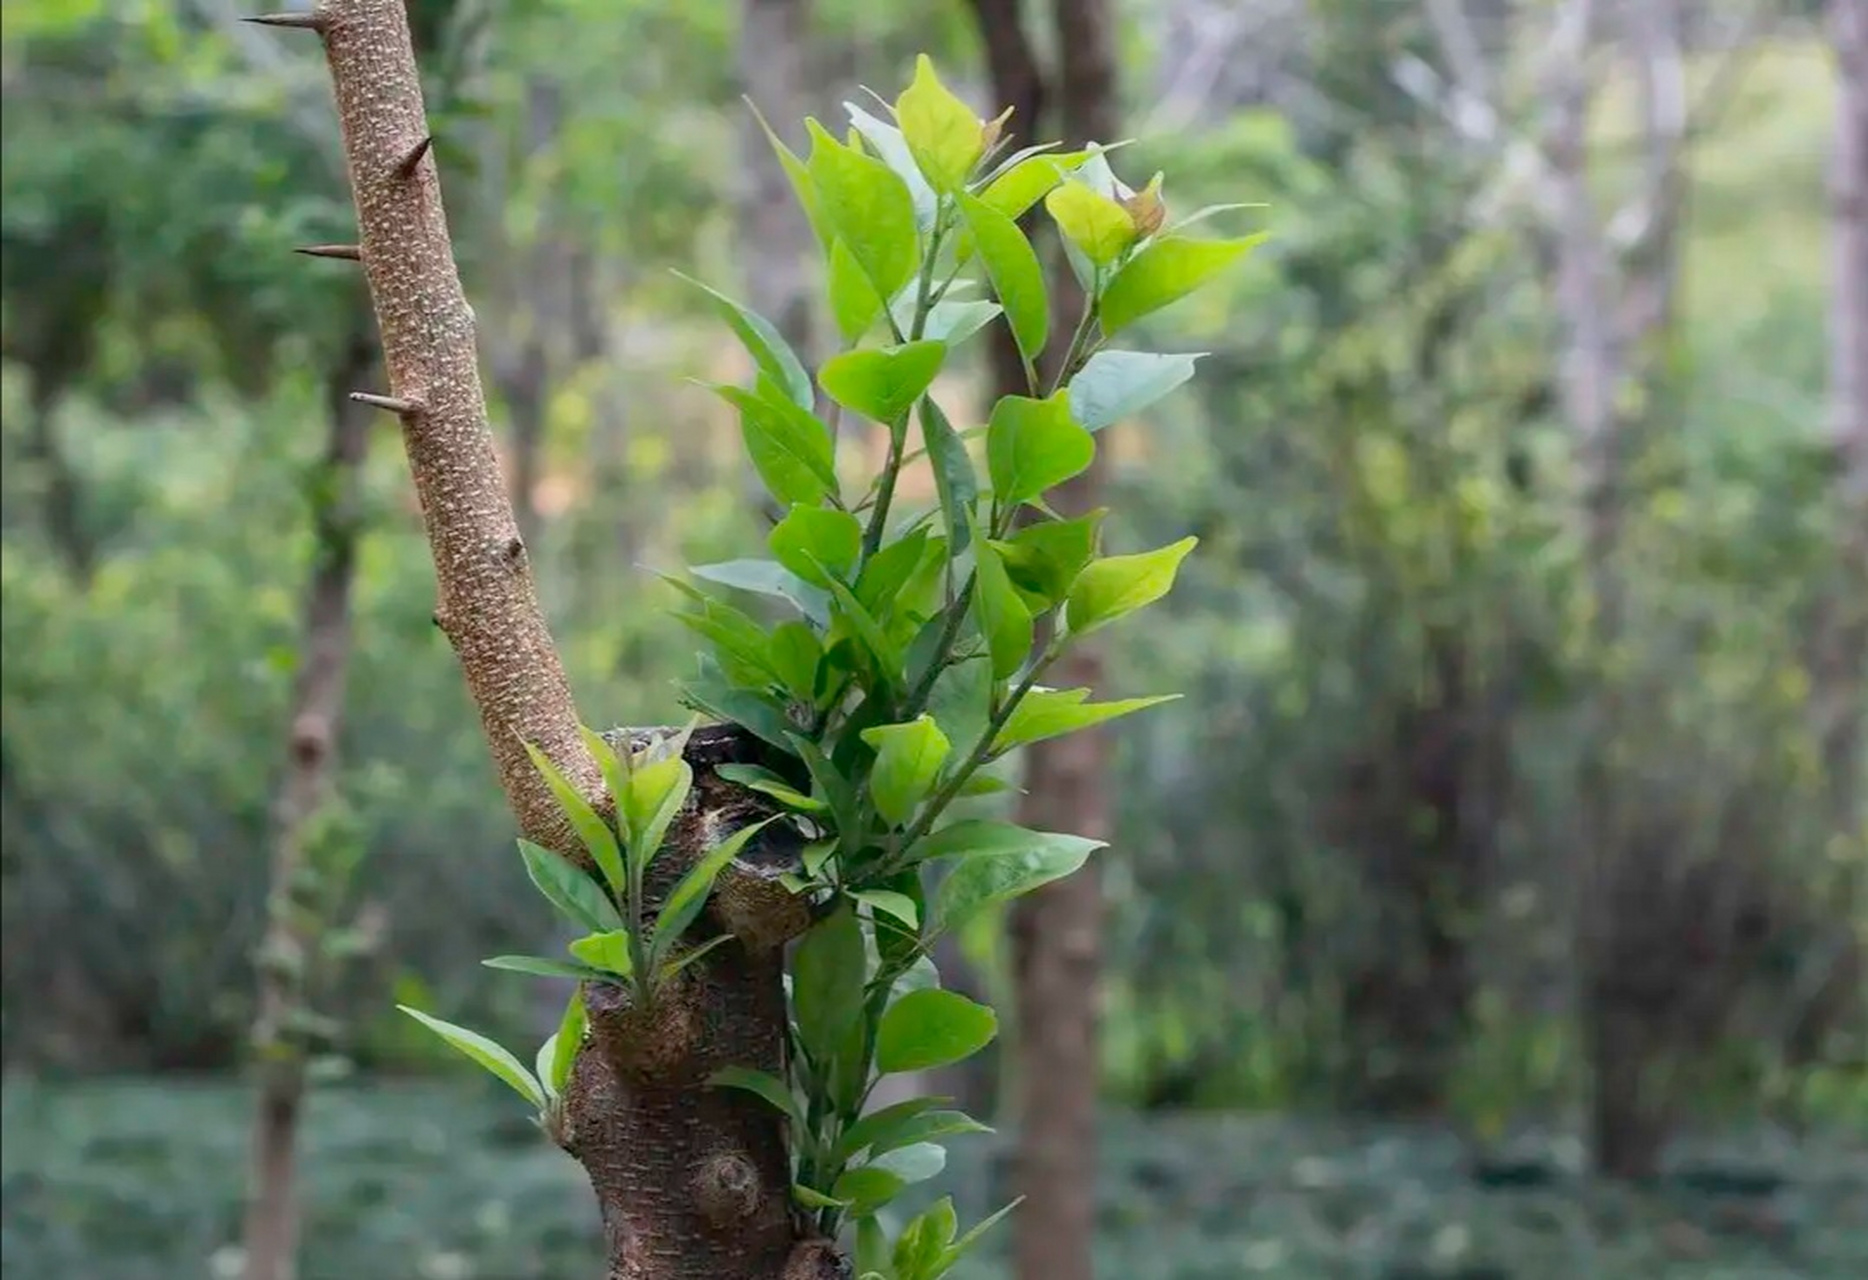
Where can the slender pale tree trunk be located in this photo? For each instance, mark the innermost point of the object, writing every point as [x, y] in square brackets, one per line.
[692, 1183]
[1057, 931]
[287, 952]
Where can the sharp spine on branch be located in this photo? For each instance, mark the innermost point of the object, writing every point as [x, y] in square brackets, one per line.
[346, 252]
[393, 404]
[292, 21]
[406, 169]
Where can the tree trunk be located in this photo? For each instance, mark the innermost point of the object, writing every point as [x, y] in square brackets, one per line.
[271, 1236]
[1842, 665]
[692, 1182]
[1057, 930]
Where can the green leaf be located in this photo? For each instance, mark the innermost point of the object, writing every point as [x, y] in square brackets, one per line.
[1097, 225]
[882, 383]
[686, 899]
[1043, 560]
[868, 1189]
[886, 653]
[789, 448]
[814, 1199]
[914, 1163]
[1166, 271]
[794, 653]
[615, 769]
[942, 133]
[1012, 266]
[954, 478]
[870, 208]
[566, 1042]
[1032, 445]
[763, 780]
[983, 879]
[1047, 714]
[1029, 181]
[887, 141]
[1115, 586]
[920, 1249]
[1112, 385]
[827, 978]
[591, 829]
[908, 760]
[576, 896]
[543, 967]
[817, 543]
[879, 1125]
[837, 791]
[985, 784]
[668, 969]
[769, 578]
[655, 795]
[952, 320]
[764, 343]
[608, 951]
[888, 902]
[764, 1085]
[872, 1251]
[972, 1237]
[801, 184]
[928, 1029]
[889, 572]
[1003, 618]
[710, 692]
[485, 1052]
[853, 301]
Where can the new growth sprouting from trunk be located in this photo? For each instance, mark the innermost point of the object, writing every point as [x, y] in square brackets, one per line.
[726, 1121]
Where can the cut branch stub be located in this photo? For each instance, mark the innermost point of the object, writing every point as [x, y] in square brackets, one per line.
[492, 612]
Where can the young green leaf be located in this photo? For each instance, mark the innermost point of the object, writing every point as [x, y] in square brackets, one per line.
[764, 343]
[827, 977]
[591, 829]
[1003, 618]
[890, 903]
[566, 1042]
[1044, 559]
[1111, 385]
[889, 572]
[608, 951]
[1032, 445]
[928, 1029]
[870, 208]
[1116, 586]
[954, 478]
[882, 383]
[1029, 181]
[1058, 711]
[867, 1189]
[1012, 266]
[916, 1120]
[614, 767]
[788, 446]
[763, 1085]
[817, 543]
[886, 654]
[686, 899]
[655, 795]
[712, 693]
[815, 1199]
[1097, 225]
[769, 578]
[971, 1238]
[916, 1162]
[921, 1248]
[794, 653]
[978, 882]
[544, 968]
[541, 1064]
[887, 142]
[669, 968]
[485, 1052]
[800, 178]
[763, 780]
[854, 303]
[1165, 272]
[579, 898]
[942, 133]
[908, 761]
[952, 320]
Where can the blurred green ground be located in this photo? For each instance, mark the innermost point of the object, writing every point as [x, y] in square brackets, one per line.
[140, 1180]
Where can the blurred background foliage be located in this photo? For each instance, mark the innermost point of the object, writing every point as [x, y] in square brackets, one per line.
[1350, 863]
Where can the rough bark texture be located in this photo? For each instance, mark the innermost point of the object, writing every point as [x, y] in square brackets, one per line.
[1057, 931]
[692, 1182]
[271, 1235]
[1842, 671]
[487, 606]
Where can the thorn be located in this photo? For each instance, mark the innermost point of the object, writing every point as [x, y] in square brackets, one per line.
[393, 404]
[405, 169]
[347, 252]
[515, 550]
[293, 21]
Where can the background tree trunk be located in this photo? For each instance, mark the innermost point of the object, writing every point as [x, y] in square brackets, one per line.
[271, 1236]
[1057, 931]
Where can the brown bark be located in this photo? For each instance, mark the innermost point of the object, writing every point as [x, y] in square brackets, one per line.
[692, 1182]
[1057, 931]
[271, 1235]
[1842, 664]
